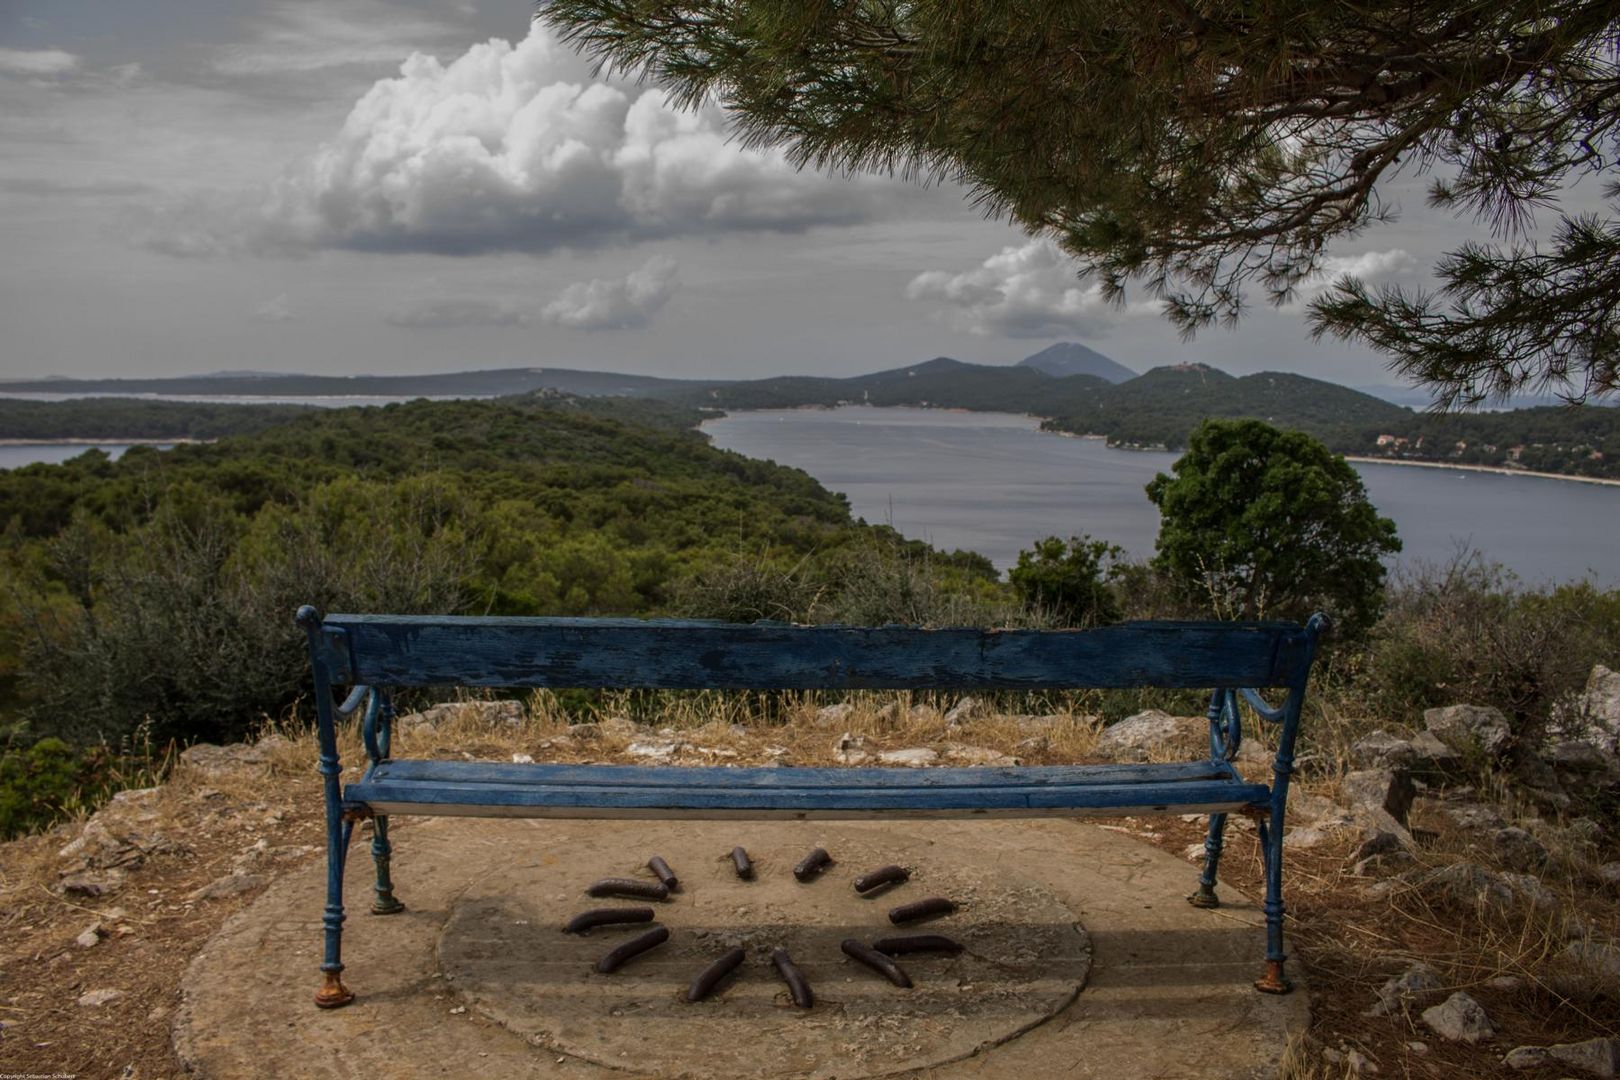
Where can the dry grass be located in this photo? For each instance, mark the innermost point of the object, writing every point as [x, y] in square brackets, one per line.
[1350, 934]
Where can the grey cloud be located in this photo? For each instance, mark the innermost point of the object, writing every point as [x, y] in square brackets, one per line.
[455, 312]
[515, 148]
[37, 63]
[1030, 291]
[617, 304]
[47, 188]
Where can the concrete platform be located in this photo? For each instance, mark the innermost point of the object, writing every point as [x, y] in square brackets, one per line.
[472, 979]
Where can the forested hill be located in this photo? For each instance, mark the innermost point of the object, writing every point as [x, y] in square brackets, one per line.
[133, 418]
[492, 383]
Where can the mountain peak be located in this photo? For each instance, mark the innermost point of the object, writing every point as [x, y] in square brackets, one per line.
[1071, 358]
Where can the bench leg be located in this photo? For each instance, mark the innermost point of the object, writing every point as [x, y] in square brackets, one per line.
[1272, 980]
[333, 993]
[1205, 896]
[381, 853]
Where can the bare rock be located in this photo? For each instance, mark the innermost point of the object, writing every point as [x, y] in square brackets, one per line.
[482, 713]
[1387, 790]
[1469, 885]
[965, 709]
[1466, 816]
[90, 937]
[851, 749]
[232, 884]
[1595, 1057]
[1470, 729]
[1359, 1064]
[91, 999]
[1416, 984]
[656, 751]
[1382, 750]
[978, 755]
[1459, 1018]
[1592, 959]
[1433, 758]
[93, 882]
[1138, 737]
[910, 757]
[1516, 849]
[832, 716]
[98, 847]
[1609, 874]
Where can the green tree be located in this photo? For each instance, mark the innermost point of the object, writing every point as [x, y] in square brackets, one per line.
[1068, 580]
[1206, 148]
[1261, 522]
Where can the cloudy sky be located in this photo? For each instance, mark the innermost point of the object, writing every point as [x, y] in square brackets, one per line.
[344, 186]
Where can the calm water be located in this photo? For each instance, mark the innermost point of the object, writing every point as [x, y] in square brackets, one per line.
[993, 482]
[12, 457]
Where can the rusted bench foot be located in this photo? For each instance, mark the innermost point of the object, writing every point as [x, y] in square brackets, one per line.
[333, 994]
[1205, 897]
[1273, 982]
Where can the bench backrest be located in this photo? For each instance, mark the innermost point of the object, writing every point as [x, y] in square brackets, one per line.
[397, 650]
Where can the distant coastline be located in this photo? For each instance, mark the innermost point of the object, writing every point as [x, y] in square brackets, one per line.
[171, 441]
[1497, 469]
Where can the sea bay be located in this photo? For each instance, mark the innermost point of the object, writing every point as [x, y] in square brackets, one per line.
[994, 483]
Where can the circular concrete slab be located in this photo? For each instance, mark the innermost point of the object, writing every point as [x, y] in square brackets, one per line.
[503, 952]
[1168, 993]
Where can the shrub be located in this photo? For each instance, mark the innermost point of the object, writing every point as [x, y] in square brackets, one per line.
[1264, 522]
[1068, 580]
[1470, 633]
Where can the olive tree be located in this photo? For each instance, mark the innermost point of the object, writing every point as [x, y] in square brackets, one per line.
[1258, 522]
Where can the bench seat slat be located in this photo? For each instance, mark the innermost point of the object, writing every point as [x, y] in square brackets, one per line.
[491, 652]
[728, 778]
[884, 792]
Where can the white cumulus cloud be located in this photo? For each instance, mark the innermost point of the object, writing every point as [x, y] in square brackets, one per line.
[1031, 291]
[515, 148]
[37, 62]
[1372, 266]
[615, 304]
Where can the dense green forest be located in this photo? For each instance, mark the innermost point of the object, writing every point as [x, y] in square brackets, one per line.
[133, 418]
[154, 593]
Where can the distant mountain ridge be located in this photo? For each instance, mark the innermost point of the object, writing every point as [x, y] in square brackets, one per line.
[1072, 358]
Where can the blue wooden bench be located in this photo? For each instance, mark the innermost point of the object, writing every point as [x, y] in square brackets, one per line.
[371, 654]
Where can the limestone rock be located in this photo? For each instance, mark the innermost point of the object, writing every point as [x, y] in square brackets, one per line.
[1469, 728]
[91, 937]
[94, 998]
[1518, 850]
[965, 709]
[889, 712]
[831, 716]
[1592, 959]
[98, 847]
[232, 884]
[1432, 757]
[1609, 874]
[1595, 1057]
[911, 757]
[656, 751]
[1389, 790]
[1470, 885]
[93, 882]
[1414, 985]
[978, 755]
[1381, 750]
[851, 749]
[1459, 1018]
[1138, 737]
